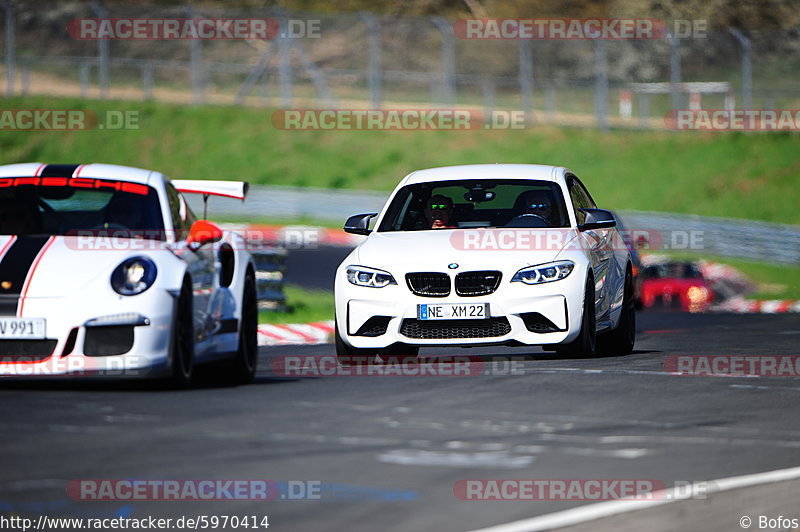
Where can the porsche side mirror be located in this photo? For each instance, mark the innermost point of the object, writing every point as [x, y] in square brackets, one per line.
[597, 219]
[359, 224]
[203, 232]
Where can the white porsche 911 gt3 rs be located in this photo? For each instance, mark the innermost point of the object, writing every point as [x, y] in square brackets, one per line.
[475, 255]
[105, 270]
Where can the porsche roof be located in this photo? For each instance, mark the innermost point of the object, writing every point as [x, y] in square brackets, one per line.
[485, 171]
[95, 170]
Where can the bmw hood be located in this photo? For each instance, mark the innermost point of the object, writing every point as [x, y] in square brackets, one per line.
[464, 249]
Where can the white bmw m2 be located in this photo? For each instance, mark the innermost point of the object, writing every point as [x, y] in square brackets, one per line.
[488, 254]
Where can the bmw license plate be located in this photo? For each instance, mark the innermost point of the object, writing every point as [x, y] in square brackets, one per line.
[453, 311]
[22, 328]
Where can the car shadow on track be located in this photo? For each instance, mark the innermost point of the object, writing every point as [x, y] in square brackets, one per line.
[546, 356]
[108, 385]
[486, 355]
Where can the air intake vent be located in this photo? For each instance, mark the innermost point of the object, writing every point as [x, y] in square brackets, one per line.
[429, 284]
[481, 283]
[451, 329]
[26, 350]
[537, 323]
[375, 326]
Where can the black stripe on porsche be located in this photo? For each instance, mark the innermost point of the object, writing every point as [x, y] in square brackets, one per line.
[14, 269]
[59, 170]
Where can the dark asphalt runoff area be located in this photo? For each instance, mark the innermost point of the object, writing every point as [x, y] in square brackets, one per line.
[385, 452]
[314, 267]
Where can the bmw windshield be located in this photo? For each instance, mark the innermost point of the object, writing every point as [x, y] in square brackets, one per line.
[465, 204]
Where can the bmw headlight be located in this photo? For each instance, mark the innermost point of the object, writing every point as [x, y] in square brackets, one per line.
[544, 273]
[363, 276]
[133, 276]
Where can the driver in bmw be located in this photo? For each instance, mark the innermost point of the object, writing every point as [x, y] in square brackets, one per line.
[539, 203]
[439, 212]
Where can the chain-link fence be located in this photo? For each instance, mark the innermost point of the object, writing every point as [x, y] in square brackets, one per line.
[360, 60]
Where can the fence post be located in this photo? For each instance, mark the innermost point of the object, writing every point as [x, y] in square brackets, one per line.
[26, 80]
[102, 53]
[375, 66]
[84, 75]
[284, 64]
[488, 97]
[747, 76]
[10, 48]
[196, 65]
[448, 60]
[526, 77]
[550, 101]
[674, 71]
[147, 81]
[601, 83]
[644, 110]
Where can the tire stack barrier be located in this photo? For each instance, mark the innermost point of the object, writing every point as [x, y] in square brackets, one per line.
[270, 270]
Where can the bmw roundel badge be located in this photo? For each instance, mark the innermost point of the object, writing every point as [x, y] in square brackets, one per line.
[452, 265]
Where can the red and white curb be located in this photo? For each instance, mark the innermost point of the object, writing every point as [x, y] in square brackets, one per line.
[319, 332]
[757, 306]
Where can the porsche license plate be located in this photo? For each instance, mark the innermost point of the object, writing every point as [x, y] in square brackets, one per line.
[453, 311]
[22, 328]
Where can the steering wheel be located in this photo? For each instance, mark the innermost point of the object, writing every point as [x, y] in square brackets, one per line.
[529, 220]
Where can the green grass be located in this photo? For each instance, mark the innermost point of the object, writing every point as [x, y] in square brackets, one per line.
[772, 281]
[303, 306]
[754, 176]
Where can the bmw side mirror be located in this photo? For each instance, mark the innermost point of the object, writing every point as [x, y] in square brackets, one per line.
[597, 219]
[359, 224]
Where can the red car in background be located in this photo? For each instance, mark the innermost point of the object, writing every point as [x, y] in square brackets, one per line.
[676, 285]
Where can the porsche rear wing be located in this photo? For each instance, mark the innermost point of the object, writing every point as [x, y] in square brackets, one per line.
[228, 189]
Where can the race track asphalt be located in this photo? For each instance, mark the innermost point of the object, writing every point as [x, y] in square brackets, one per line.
[388, 450]
[314, 267]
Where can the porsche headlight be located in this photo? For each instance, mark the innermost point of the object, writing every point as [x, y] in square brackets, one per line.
[363, 276]
[544, 273]
[133, 276]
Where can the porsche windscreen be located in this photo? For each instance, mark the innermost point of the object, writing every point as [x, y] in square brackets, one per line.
[466, 204]
[70, 206]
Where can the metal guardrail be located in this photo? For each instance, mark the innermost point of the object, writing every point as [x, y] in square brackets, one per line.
[725, 237]
[286, 202]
